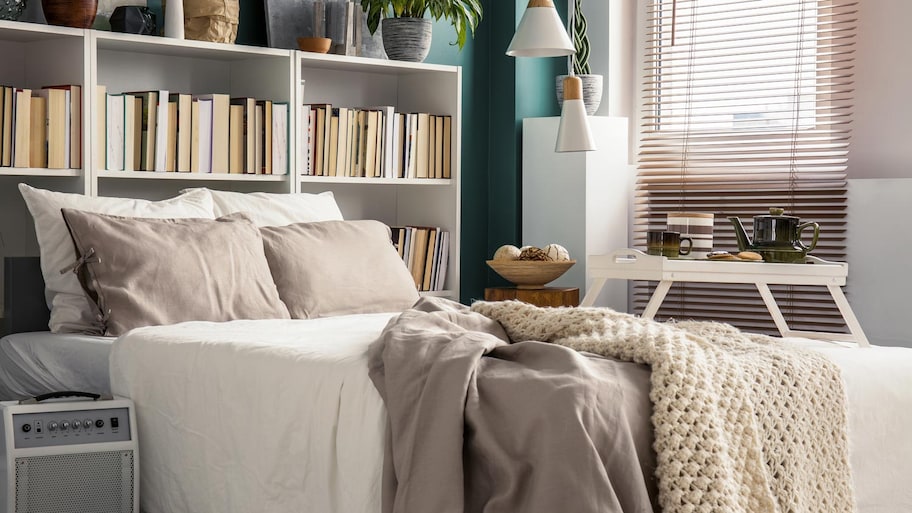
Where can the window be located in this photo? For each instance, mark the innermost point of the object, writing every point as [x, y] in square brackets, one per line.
[746, 105]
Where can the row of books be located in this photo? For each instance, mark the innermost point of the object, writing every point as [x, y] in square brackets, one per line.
[375, 142]
[175, 132]
[425, 251]
[42, 127]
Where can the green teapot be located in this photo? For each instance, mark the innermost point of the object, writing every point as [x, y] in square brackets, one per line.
[777, 237]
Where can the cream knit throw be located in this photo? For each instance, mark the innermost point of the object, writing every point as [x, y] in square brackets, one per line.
[743, 423]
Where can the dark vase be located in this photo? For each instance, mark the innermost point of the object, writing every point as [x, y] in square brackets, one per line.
[70, 13]
[406, 39]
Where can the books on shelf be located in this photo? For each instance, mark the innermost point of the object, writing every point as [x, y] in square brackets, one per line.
[375, 142]
[38, 137]
[22, 121]
[183, 133]
[174, 132]
[41, 128]
[425, 251]
[279, 138]
[74, 122]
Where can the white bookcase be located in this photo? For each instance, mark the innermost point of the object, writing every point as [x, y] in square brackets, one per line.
[578, 200]
[40, 55]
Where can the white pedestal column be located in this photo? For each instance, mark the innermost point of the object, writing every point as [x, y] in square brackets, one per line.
[577, 200]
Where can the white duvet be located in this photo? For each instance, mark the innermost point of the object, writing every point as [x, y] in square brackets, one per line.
[255, 416]
[281, 416]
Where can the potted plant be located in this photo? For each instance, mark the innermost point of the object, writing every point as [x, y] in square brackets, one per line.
[592, 84]
[406, 31]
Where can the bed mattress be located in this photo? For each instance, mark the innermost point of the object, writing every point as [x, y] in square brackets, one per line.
[41, 362]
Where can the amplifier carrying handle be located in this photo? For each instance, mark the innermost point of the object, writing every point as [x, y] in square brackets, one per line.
[64, 393]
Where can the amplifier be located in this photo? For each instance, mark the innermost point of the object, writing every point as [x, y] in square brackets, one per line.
[70, 456]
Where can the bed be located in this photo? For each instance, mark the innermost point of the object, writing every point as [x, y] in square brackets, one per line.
[282, 414]
[287, 414]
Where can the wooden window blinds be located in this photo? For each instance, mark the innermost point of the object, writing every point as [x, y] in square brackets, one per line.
[746, 105]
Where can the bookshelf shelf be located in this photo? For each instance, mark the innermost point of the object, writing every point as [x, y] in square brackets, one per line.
[366, 65]
[30, 32]
[38, 56]
[206, 177]
[182, 47]
[38, 171]
[375, 181]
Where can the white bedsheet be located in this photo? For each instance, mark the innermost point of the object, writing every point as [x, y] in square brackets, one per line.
[879, 388]
[41, 362]
[280, 416]
[255, 416]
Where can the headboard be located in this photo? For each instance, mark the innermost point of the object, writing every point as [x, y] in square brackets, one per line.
[25, 308]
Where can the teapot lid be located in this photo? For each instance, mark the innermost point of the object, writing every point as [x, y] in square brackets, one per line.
[777, 212]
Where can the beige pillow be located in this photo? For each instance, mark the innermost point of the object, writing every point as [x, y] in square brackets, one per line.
[70, 310]
[337, 268]
[148, 272]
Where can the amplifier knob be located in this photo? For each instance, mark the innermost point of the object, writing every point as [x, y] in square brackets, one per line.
[52, 426]
[87, 423]
[76, 424]
[64, 425]
[99, 423]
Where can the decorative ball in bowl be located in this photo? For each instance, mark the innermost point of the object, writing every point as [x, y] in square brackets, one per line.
[530, 274]
[314, 44]
[11, 9]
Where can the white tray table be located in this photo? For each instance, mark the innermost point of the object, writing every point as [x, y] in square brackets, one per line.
[631, 264]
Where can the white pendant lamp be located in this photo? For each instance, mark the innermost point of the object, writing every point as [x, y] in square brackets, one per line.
[540, 33]
[574, 133]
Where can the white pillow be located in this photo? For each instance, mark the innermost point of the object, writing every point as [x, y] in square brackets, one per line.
[266, 209]
[71, 311]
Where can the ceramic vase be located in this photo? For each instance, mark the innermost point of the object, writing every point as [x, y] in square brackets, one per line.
[406, 39]
[174, 19]
[70, 13]
[592, 91]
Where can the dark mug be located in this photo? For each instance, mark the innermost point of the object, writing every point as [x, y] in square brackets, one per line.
[667, 244]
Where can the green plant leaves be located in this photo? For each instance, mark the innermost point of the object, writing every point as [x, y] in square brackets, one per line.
[465, 15]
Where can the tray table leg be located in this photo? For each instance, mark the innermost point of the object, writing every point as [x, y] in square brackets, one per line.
[848, 315]
[593, 293]
[773, 308]
[656, 300]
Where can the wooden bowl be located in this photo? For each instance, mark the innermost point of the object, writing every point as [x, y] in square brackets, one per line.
[530, 274]
[70, 13]
[314, 44]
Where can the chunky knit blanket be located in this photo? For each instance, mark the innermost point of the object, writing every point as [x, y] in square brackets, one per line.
[743, 423]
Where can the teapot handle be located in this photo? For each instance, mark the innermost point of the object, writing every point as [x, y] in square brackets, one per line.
[813, 245]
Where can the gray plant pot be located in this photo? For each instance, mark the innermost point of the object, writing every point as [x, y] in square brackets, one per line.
[406, 39]
[592, 91]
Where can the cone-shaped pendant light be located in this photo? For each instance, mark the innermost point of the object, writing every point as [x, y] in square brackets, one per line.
[574, 133]
[540, 33]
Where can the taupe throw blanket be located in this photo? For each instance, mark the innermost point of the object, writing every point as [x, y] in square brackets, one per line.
[742, 423]
[478, 424]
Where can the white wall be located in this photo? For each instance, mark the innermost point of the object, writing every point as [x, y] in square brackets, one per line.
[880, 172]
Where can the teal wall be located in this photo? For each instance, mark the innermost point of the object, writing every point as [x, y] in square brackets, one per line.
[498, 92]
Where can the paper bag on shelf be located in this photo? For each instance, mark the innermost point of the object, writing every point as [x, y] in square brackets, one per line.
[211, 20]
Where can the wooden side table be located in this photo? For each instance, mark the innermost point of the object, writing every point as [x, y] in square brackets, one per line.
[548, 296]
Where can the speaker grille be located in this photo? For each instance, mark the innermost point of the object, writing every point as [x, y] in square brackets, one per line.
[98, 482]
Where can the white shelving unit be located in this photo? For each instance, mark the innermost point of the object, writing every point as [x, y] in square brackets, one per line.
[578, 200]
[40, 55]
